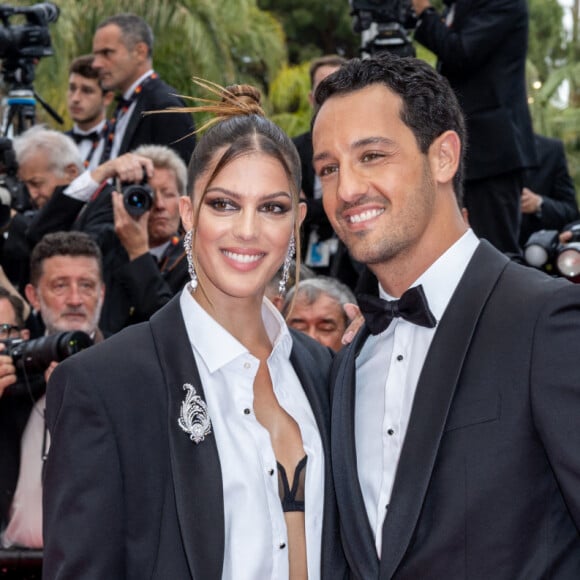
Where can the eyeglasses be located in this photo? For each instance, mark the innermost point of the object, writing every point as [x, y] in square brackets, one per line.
[9, 331]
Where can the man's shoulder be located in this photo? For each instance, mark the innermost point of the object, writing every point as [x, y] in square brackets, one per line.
[159, 92]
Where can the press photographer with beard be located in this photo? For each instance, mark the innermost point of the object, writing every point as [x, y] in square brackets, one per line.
[67, 291]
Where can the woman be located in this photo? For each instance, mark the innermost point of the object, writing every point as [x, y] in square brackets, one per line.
[196, 445]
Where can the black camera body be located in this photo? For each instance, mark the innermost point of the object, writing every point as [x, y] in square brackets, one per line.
[31, 40]
[34, 356]
[384, 25]
[137, 197]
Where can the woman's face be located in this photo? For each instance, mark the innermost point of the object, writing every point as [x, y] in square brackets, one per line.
[245, 222]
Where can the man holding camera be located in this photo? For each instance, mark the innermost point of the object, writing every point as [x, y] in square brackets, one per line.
[144, 261]
[67, 291]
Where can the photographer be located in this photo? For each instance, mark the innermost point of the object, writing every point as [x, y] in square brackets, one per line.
[47, 162]
[67, 291]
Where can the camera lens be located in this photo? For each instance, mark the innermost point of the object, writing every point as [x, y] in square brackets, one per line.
[138, 198]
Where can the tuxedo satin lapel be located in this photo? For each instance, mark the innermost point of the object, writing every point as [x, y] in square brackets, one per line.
[195, 467]
[432, 401]
[359, 544]
[132, 125]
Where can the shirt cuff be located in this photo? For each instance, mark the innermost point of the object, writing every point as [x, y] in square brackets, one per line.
[82, 188]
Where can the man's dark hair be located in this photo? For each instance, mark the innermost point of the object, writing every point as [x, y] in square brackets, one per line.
[17, 306]
[134, 30]
[83, 66]
[326, 60]
[62, 244]
[429, 105]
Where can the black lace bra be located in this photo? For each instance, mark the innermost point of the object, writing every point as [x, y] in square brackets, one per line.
[292, 498]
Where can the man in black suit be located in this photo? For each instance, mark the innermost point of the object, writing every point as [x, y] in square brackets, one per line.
[455, 429]
[549, 197]
[122, 49]
[481, 47]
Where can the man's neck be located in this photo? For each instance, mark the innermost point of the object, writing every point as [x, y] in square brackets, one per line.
[88, 126]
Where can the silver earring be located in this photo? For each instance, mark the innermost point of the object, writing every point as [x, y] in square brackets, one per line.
[286, 267]
[189, 255]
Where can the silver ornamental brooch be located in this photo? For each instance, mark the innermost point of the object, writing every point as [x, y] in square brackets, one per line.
[193, 417]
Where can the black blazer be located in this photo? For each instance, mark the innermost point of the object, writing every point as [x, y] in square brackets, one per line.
[483, 54]
[487, 482]
[127, 494]
[172, 129]
[550, 179]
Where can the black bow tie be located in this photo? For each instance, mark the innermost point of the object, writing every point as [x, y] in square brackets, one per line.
[92, 136]
[123, 102]
[411, 306]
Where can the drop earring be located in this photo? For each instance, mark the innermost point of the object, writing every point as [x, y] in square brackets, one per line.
[187, 245]
[286, 266]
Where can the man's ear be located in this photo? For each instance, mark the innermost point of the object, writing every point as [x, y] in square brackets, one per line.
[445, 156]
[32, 296]
[302, 209]
[71, 171]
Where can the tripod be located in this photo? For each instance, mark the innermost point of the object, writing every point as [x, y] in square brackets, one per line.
[19, 105]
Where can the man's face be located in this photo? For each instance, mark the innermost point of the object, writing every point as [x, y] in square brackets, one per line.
[85, 100]
[164, 217]
[69, 294]
[8, 326]
[118, 66]
[39, 177]
[378, 190]
[323, 320]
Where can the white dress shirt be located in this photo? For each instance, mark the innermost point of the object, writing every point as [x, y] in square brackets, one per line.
[256, 540]
[25, 525]
[387, 372]
[86, 145]
[123, 122]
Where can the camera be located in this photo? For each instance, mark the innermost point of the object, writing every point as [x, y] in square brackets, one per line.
[35, 356]
[137, 197]
[384, 25]
[543, 250]
[13, 194]
[31, 39]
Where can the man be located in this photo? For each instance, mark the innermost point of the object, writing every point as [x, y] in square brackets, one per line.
[144, 260]
[123, 53]
[456, 436]
[481, 47]
[48, 161]
[321, 250]
[548, 199]
[67, 290]
[87, 104]
[316, 307]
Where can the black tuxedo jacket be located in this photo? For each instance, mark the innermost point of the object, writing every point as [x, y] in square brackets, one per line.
[161, 129]
[487, 482]
[550, 179]
[127, 493]
[483, 54]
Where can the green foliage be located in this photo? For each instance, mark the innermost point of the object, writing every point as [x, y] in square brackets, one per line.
[315, 27]
[224, 41]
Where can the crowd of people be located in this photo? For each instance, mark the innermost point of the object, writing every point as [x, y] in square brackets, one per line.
[318, 357]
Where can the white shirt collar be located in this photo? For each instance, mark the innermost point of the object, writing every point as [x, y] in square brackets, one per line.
[216, 346]
[440, 280]
[98, 127]
[129, 92]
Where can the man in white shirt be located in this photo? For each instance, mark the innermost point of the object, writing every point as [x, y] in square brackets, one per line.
[455, 423]
[87, 104]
